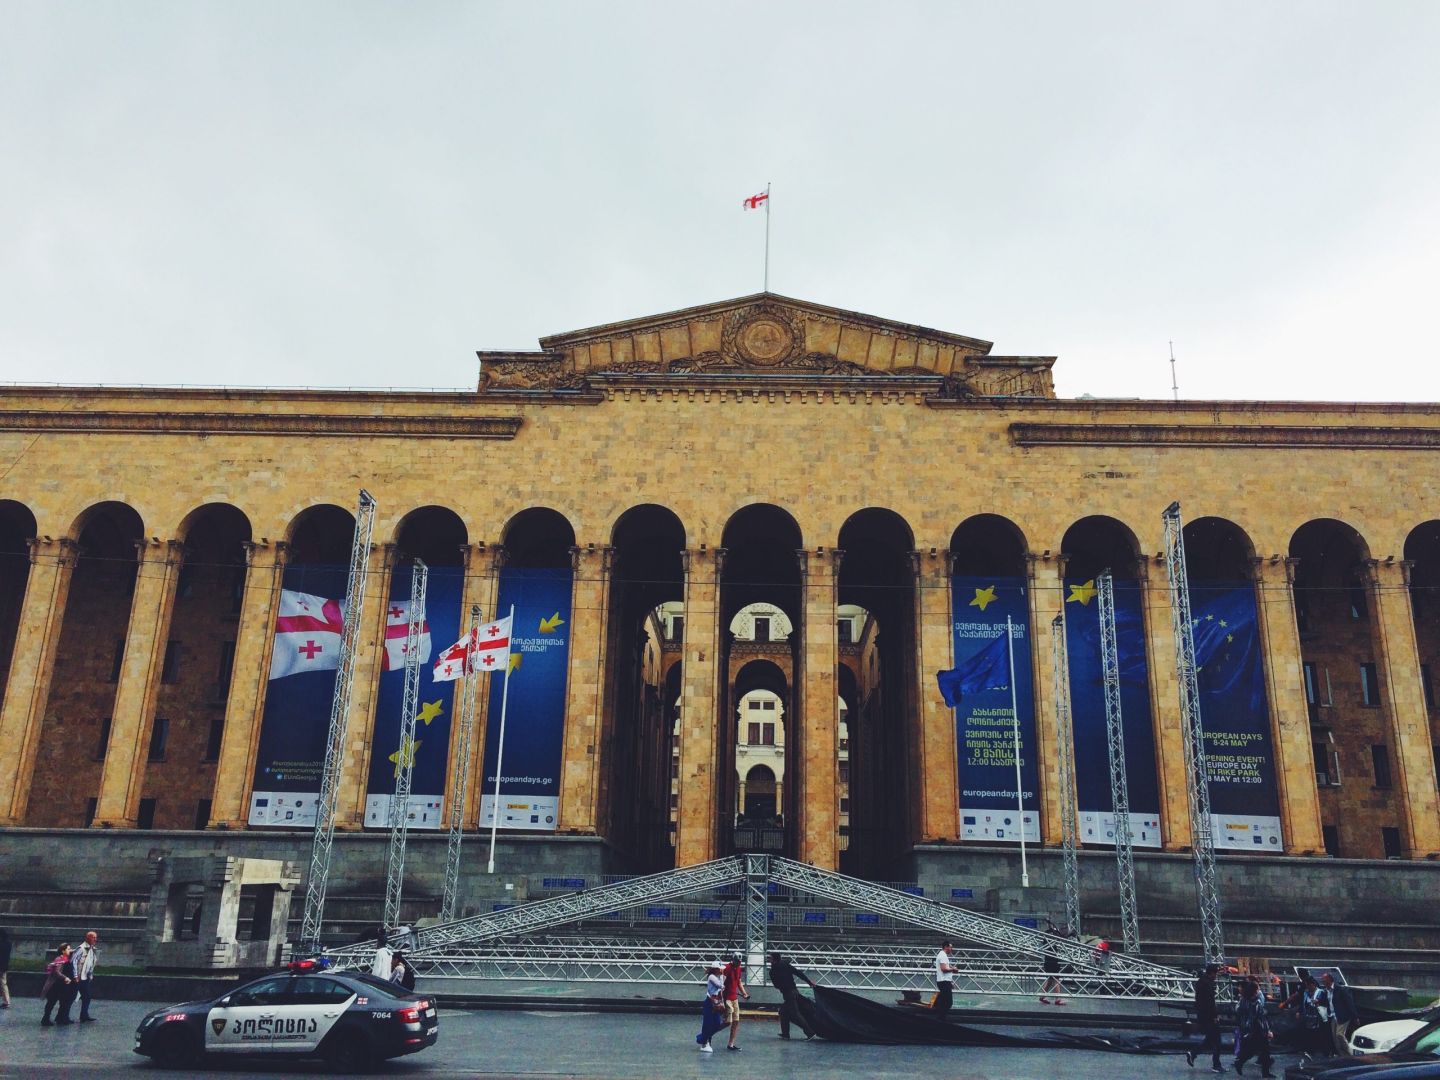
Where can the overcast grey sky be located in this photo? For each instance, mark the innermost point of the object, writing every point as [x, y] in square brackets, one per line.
[365, 193]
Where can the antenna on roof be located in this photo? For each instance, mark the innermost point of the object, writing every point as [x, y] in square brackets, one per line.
[1174, 385]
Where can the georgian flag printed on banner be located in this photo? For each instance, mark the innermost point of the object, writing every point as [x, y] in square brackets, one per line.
[308, 630]
[491, 651]
[755, 202]
[397, 631]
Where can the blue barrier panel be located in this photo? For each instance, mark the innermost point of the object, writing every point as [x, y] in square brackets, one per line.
[500, 905]
[1033, 924]
[769, 916]
[710, 913]
[657, 912]
[913, 890]
[962, 894]
[562, 883]
[814, 916]
[866, 918]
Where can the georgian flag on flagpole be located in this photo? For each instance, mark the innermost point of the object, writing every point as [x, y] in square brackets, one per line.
[397, 630]
[755, 202]
[308, 630]
[490, 651]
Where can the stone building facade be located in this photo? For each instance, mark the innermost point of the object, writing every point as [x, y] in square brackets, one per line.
[761, 450]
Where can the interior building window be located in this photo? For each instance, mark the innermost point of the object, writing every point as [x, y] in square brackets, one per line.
[677, 628]
[1331, 835]
[1380, 756]
[227, 670]
[754, 735]
[1356, 592]
[170, 669]
[159, 737]
[1390, 837]
[202, 814]
[1369, 687]
[91, 805]
[767, 704]
[214, 736]
[1327, 758]
[1427, 686]
[146, 818]
[845, 628]
[762, 628]
[118, 661]
[102, 741]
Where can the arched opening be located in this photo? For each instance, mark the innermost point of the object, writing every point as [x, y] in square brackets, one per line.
[188, 726]
[761, 723]
[1422, 550]
[17, 528]
[644, 633]
[990, 597]
[1349, 735]
[876, 629]
[436, 536]
[1092, 546]
[76, 734]
[758, 787]
[761, 579]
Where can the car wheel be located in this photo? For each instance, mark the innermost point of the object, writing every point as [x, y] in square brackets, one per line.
[349, 1052]
[176, 1048]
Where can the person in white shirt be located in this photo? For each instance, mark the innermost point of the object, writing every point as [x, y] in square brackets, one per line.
[944, 980]
[381, 965]
[84, 961]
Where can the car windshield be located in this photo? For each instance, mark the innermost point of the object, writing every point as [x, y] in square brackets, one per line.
[1425, 1041]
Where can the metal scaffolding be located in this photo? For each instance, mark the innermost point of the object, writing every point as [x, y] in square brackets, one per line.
[405, 752]
[527, 941]
[461, 791]
[1119, 779]
[1201, 826]
[1069, 805]
[319, 877]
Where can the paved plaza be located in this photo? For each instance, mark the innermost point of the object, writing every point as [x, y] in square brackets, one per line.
[544, 1043]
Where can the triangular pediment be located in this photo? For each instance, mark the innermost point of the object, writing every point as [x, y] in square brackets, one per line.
[764, 335]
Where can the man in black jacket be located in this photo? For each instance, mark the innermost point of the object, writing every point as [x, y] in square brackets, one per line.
[782, 977]
[1206, 1021]
[4, 968]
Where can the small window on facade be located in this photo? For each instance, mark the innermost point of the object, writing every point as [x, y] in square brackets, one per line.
[844, 806]
[118, 661]
[762, 628]
[1312, 684]
[1369, 687]
[768, 704]
[146, 818]
[1390, 837]
[844, 772]
[90, 807]
[214, 736]
[674, 802]
[1331, 836]
[170, 670]
[1380, 756]
[845, 628]
[159, 737]
[202, 814]
[102, 741]
[674, 770]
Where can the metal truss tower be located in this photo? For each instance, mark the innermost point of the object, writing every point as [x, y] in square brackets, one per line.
[319, 877]
[1069, 807]
[757, 913]
[405, 754]
[461, 791]
[1201, 824]
[1119, 779]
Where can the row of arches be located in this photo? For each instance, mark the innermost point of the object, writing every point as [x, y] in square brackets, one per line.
[878, 685]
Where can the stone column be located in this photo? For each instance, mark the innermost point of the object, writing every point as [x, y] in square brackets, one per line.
[1289, 715]
[935, 765]
[699, 817]
[819, 750]
[485, 587]
[1402, 697]
[1165, 703]
[1046, 576]
[249, 682]
[585, 687]
[359, 731]
[32, 665]
[146, 638]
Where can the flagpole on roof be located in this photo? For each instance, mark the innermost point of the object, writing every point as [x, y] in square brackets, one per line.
[500, 752]
[1019, 783]
[767, 236]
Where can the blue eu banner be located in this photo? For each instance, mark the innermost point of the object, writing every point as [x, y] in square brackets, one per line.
[1244, 807]
[1087, 713]
[291, 752]
[535, 718]
[430, 753]
[984, 720]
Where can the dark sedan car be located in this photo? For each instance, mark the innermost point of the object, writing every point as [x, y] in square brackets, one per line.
[352, 1020]
[1417, 1058]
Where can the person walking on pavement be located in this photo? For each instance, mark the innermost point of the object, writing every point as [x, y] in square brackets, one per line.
[4, 968]
[59, 988]
[1252, 1029]
[782, 978]
[1342, 1011]
[712, 1009]
[84, 961]
[734, 978]
[1052, 983]
[1207, 1022]
[944, 980]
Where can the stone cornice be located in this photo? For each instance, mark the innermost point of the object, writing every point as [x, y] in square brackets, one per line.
[1241, 436]
[270, 423]
[776, 387]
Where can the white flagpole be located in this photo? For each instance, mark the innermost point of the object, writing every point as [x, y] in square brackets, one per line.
[1019, 783]
[767, 236]
[500, 753]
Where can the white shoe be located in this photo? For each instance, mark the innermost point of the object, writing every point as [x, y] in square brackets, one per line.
[706, 1048]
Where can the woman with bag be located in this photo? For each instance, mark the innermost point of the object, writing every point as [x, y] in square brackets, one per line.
[59, 988]
[1252, 1029]
[712, 1009]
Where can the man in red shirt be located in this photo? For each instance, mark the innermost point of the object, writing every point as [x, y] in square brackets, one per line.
[734, 975]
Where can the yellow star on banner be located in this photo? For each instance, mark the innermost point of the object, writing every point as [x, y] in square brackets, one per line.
[547, 626]
[983, 597]
[429, 711]
[1082, 594]
[405, 756]
[514, 661]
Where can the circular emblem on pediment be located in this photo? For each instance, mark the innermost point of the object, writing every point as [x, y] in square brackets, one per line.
[765, 340]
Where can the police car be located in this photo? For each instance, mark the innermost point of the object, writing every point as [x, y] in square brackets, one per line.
[350, 1019]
